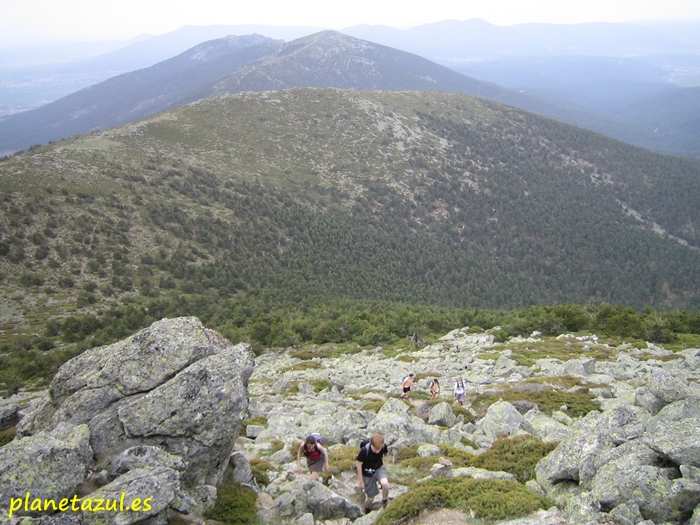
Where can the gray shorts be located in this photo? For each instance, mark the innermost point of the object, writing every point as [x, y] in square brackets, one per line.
[372, 483]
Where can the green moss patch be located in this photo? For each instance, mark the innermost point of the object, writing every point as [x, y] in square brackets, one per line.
[303, 365]
[426, 375]
[526, 354]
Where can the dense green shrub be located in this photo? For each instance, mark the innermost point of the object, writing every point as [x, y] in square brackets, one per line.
[517, 455]
[488, 499]
[235, 505]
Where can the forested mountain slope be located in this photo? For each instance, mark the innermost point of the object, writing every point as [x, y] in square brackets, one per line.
[419, 197]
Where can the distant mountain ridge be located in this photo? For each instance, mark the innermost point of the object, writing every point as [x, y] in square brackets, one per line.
[134, 95]
[456, 40]
[235, 64]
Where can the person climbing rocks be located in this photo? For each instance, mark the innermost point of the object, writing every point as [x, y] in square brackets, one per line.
[459, 391]
[371, 472]
[406, 384]
[316, 456]
[434, 389]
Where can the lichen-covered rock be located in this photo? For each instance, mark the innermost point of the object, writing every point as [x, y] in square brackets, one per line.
[394, 406]
[138, 495]
[544, 427]
[648, 401]
[502, 418]
[88, 383]
[48, 465]
[242, 472]
[580, 367]
[480, 473]
[442, 415]
[576, 458]
[174, 385]
[12, 408]
[632, 476]
[144, 456]
[196, 414]
[666, 386]
[427, 450]
[684, 409]
[677, 440]
[324, 504]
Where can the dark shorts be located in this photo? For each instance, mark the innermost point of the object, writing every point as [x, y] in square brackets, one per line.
[315, 465]
[372, 482]
[406, 389]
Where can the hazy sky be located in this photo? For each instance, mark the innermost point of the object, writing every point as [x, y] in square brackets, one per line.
[123, 19]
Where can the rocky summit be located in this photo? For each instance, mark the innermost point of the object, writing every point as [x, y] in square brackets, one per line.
[176, 409]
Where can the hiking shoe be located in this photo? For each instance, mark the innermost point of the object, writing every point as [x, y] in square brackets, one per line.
[385, 502]
[368, 510]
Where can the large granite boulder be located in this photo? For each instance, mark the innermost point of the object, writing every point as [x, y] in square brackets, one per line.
[48, 465]
[324, 504]
[667, 387]
[501, 419]
[400, 428]
[442, 415]
[138, 495]
[623, 462]
[174, 385]
[577, 457]
[543, 427]
[144, 456]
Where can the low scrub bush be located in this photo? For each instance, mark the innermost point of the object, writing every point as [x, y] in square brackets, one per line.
[6, 436]
[235, 505]
[488, 499]
[260, 468]
[373, 406]
[257, 420]
[517, 455]
[342, 459]
[578, 403]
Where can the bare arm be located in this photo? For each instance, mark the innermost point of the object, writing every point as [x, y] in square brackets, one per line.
[361, 480]
[301, 447]
[325, 457]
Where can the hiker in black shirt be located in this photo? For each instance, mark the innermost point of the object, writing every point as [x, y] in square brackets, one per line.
[371, 470]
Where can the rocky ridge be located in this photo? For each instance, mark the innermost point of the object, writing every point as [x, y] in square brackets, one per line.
[633, 461]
